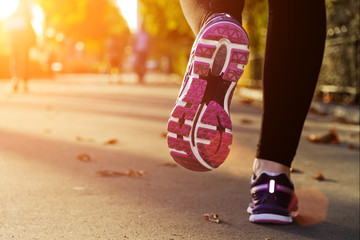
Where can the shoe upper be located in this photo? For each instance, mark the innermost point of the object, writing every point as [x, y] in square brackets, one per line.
[271, 193]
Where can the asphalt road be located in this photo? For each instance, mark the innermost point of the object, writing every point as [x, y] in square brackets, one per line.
[59, 141]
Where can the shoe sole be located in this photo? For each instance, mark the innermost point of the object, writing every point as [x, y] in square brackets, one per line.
[200, 129]
[270, 218]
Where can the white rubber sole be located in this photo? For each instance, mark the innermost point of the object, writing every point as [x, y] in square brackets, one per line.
[270, 218]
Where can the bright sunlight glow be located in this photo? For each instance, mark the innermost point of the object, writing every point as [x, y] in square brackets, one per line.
[38, 18]
[7, 7]
[128, 9]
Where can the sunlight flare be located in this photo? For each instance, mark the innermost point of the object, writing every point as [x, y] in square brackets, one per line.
[7, 7]
[128, 9]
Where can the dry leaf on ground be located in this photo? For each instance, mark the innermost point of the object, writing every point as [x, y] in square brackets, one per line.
[168, 164]
[330, 137]
[84, 157]
[80, 139]
[246, 121]
[140, 173]
[353, 146]
[295, 170]
[105, 173]
[319, 176]
[111, 141]
[247, 101]
[117, 173]
[212, 217]
[129, 173]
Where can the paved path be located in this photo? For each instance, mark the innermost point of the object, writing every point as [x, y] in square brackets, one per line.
[48, 193]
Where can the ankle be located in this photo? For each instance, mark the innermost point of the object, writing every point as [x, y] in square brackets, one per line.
[262, 165]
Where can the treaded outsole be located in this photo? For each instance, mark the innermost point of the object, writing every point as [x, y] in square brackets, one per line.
[200, 132]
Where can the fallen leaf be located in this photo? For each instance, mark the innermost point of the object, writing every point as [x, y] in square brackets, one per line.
[168, 164]
[247, 101]
[212, 217]
[319, 176]
[327, 98]
[295, 170]
[246, 121]
[105, 173]
[80, 139]
[129, 173]
[117, 173]
[353, 146]
[313, 138]
[140, 173]
[84, 157]
[111, 142]
[330, 137]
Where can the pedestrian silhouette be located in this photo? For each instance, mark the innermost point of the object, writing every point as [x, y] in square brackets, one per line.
[21, 38]
[141, 50]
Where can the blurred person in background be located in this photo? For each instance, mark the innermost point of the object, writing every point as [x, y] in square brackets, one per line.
[21, 38]
[200, 129]
[141, 47]
[114, 55]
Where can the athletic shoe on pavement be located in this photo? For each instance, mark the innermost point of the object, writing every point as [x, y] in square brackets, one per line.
[272, 195]
[200, 130]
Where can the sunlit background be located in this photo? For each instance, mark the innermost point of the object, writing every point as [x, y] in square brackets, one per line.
[71, 37]
[129, 10]
[7, 7]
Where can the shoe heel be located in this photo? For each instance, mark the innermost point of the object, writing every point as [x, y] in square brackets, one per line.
[200, 127]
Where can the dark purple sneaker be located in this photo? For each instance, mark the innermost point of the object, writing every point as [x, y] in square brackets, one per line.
[200, 130]
[271, 197]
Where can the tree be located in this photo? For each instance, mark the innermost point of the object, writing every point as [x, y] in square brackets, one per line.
[172, 35]
[341, 59]
[255, 18]
[90, 21]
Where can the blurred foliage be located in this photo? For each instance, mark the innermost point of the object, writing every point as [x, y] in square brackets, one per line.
[93, 21]
[173, 38]
[255, 18]
[90, 21]
[341, 59]
[164, 19]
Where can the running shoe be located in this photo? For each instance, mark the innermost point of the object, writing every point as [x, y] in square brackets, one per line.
[200, 130]
[272, 199]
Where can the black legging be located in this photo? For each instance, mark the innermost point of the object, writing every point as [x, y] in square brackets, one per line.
[293, 57]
